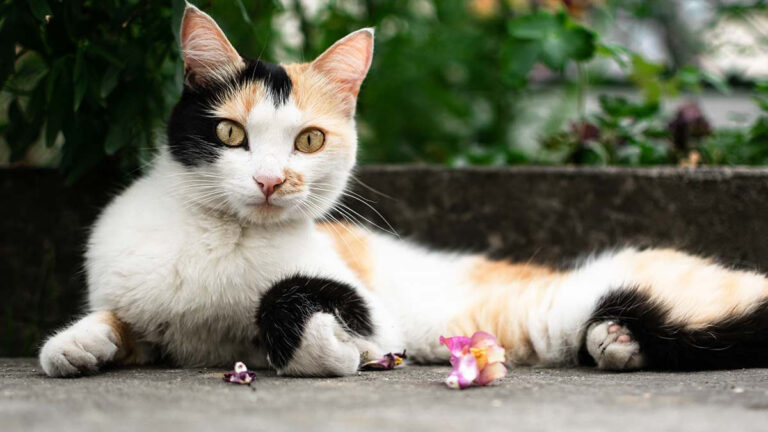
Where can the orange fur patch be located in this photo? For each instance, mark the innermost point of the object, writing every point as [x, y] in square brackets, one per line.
[697, 290]
[293, 183]
[315, 93]
[237, 103]
[486, 272]
[352, 246]
[124, 338]
[504, 296]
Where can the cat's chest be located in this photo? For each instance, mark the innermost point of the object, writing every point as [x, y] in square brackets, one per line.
[204, 313]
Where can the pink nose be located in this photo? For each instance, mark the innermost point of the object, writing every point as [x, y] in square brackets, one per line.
[268, 185]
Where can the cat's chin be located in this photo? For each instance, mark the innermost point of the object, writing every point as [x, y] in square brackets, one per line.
[263, 214]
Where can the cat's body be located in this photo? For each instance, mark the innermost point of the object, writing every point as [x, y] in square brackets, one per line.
[214, 256]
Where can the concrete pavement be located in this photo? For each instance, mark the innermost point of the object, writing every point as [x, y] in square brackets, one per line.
[412, 398]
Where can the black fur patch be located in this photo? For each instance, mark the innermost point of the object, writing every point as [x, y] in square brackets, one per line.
[287, 306]
[192, 131]
[738, 341]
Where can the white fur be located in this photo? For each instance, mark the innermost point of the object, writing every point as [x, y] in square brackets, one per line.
[81, 348]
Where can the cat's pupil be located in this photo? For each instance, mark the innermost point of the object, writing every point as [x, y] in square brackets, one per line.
[230, 132]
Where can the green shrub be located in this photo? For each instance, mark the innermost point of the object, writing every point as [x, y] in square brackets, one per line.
[96, 80]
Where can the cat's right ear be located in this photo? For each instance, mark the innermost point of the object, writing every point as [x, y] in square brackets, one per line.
[208, 55]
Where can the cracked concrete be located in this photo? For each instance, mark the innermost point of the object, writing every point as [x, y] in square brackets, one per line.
[412, 398]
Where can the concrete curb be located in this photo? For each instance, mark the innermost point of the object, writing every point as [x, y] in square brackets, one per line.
[544, 214]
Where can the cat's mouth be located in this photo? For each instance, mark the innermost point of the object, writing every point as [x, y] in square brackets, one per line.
[265, 206]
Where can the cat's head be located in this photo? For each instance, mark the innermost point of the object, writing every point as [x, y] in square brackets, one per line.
[262, 142]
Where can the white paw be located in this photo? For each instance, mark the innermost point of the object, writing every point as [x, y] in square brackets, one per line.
[612, 347]
[326, 349]
[79, 349]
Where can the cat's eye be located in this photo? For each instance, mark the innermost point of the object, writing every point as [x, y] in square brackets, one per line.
[230, 133]
[310, 140]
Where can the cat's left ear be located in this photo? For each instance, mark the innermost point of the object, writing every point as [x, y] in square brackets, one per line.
[347, 62]
[208, 55]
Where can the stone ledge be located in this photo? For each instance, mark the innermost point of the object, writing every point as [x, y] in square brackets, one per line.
[544, 214]
[411, 398]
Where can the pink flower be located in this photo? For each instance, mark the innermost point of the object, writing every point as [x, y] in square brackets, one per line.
[476, 360]
[388, 362]
[241, 374]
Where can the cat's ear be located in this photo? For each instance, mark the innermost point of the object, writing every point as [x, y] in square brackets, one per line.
[346, 62]
[208, 55]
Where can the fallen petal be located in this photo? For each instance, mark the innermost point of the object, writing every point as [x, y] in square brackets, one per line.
[466, 370]
[453, 381]
[482, 339]
[456, 345]
[491, 373]
[240, 374]
[481, 357]
[495, 354]
[388, 362]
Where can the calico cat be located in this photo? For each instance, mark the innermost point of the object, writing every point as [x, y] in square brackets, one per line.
[214, 256]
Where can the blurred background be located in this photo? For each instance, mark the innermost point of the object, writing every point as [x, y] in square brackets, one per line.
[88, 85]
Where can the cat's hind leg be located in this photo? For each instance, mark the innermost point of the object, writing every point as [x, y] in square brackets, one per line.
[315, 326]
[93, 341]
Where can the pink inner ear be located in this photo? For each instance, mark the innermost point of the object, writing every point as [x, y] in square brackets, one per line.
[346, 63]
[205, 48]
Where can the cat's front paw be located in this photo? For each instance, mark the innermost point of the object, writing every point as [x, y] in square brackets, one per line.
[613, 347]
[326, 349]
[78, 350]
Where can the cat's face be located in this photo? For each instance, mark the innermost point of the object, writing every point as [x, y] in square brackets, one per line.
[262, 142]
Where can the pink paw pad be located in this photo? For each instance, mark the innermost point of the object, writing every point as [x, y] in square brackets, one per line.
[614, 328]
[624, 339]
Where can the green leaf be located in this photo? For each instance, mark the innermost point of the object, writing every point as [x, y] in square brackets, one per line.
[109, 81]
[54, 90]
[618, 53]
[532, 26]
[244, 12]
[647, 76]
[177, 13]
[117, 137]
[560, 39]
[40, 9]
[716, 81]
[621, 107]
[520, 56]
[18, 134]
[7, 52]
[762, 102]
[79, 78]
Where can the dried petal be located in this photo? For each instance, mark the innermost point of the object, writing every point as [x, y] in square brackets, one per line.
[240, 374]
[388, 362]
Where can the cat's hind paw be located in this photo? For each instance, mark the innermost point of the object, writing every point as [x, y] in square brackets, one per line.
[612, 347]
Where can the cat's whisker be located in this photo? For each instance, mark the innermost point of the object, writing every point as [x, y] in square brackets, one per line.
[353, 214]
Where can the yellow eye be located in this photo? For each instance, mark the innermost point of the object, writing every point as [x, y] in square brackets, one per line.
[230, 133]
[310, 140]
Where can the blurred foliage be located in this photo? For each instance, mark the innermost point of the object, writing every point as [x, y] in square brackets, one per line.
[95, 80]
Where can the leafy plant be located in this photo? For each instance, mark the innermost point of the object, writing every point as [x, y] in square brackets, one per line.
[94, 81]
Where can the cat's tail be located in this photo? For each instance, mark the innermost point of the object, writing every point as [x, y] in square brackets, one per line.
[738, 338]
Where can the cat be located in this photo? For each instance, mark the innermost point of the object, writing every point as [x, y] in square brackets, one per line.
[214, 255]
